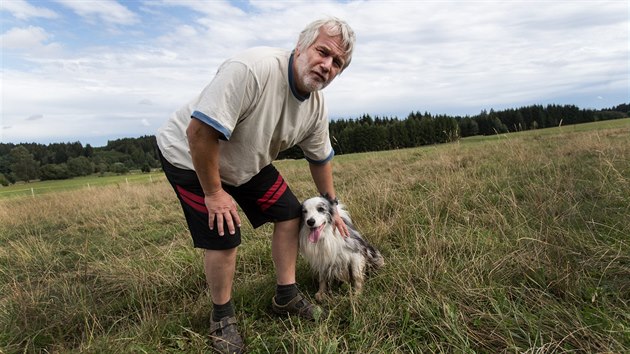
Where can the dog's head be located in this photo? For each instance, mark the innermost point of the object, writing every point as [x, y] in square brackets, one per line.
[317, 213]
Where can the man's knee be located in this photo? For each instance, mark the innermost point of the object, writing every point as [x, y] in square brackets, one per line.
[287, 227]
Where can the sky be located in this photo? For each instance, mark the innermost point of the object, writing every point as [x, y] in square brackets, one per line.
[99, 70]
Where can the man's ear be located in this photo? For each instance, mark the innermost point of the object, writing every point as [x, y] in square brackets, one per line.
[296, 52]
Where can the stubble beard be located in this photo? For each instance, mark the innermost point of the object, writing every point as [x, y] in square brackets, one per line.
[306, 77]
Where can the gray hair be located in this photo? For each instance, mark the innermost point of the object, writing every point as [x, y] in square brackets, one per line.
[333, 27]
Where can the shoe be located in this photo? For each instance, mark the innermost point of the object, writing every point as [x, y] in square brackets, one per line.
[225, 336]
[298, 306]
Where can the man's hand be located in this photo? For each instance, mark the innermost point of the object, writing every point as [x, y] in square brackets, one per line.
[341, 226]
[222, 207]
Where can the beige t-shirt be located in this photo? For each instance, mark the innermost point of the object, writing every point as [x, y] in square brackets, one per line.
[253, 103]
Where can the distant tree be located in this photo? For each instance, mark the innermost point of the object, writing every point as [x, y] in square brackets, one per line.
[88, 150]
[4, 181]
[490, 125]
[146, 168]
[54, 171]
[23, 165]
[468, 127]
[61, 156]
[291, 153]
[119, 168]
[5, 163]
[624, 108]
[74, 149]
[80, 166]
[607, 115]
[101, 168]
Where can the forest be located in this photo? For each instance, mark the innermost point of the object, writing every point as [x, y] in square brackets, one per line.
[31, 161]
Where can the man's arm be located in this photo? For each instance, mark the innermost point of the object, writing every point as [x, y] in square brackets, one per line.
[323, 178]
[203, 141]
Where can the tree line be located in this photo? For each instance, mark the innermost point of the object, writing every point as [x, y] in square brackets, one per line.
[31, 161]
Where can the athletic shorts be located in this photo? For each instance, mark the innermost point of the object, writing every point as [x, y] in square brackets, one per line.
[264, 198]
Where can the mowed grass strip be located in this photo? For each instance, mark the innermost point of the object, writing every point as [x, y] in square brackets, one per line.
[36, 188]
[510, 243]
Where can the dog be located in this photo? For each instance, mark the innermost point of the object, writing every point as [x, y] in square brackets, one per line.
[332, 256]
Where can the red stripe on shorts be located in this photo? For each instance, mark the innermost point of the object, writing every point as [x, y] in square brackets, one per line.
[194, 201]
[273, 194]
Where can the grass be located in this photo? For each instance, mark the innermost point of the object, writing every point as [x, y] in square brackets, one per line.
[42, 187]
[512, 243]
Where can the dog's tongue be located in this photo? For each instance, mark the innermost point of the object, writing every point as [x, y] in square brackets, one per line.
[315, 233]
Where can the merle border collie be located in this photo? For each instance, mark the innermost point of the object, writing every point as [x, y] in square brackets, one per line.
[332, 256]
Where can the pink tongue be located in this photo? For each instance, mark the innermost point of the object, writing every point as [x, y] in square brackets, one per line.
[314, 235]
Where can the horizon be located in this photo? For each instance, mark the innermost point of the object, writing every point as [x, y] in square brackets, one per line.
[354, 118]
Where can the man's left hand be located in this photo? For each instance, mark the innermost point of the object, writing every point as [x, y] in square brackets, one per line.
[341, 226]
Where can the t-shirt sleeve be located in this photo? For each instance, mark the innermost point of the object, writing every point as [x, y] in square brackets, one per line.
[227, 98]
[317, 147]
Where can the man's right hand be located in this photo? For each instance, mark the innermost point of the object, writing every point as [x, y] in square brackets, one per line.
[222, 208]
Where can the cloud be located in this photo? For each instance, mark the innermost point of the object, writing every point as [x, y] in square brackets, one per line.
[31, 42]
[108, 11]
[27, 37]
[23, 10]
[35, 117]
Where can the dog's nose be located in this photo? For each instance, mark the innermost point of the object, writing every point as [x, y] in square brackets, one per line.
[310, 222]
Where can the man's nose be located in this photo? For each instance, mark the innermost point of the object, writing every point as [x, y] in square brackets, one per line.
[327, 63]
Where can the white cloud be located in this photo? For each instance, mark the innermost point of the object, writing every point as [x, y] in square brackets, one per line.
[23, 10]
[108, 11]
[35, 117]
[24, 37]
[31, 41]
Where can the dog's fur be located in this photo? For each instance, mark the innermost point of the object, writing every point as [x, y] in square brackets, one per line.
[330, 255]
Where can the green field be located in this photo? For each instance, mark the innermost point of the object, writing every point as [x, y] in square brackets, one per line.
[38, 188]
[510, 243]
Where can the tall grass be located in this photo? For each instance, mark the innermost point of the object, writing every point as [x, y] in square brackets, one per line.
[517, 243]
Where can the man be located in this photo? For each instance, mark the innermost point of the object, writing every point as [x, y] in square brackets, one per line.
[218, 151]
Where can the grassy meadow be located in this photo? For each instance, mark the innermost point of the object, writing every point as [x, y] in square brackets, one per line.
[53, 186]
[512, 243]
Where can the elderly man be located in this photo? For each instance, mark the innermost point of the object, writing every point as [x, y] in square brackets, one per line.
[218, 150]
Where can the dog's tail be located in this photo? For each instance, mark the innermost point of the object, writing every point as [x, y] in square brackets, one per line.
[374, 257]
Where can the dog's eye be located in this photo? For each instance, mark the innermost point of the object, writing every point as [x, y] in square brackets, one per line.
[321, 209]
[303, 211]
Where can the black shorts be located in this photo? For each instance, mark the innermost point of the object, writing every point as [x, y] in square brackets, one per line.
[264, 198]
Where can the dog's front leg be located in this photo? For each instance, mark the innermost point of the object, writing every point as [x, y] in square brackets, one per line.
[323, 285]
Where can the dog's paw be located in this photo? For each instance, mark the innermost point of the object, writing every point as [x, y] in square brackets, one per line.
[320, 296]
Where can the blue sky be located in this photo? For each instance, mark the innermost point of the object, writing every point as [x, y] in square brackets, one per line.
[96, 70]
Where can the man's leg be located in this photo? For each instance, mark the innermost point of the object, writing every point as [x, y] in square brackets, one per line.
[219, 267]
[284, 250]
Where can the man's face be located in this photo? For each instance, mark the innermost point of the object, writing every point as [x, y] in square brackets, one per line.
[319, 64]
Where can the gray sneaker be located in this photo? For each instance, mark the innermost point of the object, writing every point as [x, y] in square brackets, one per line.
[225, 336]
